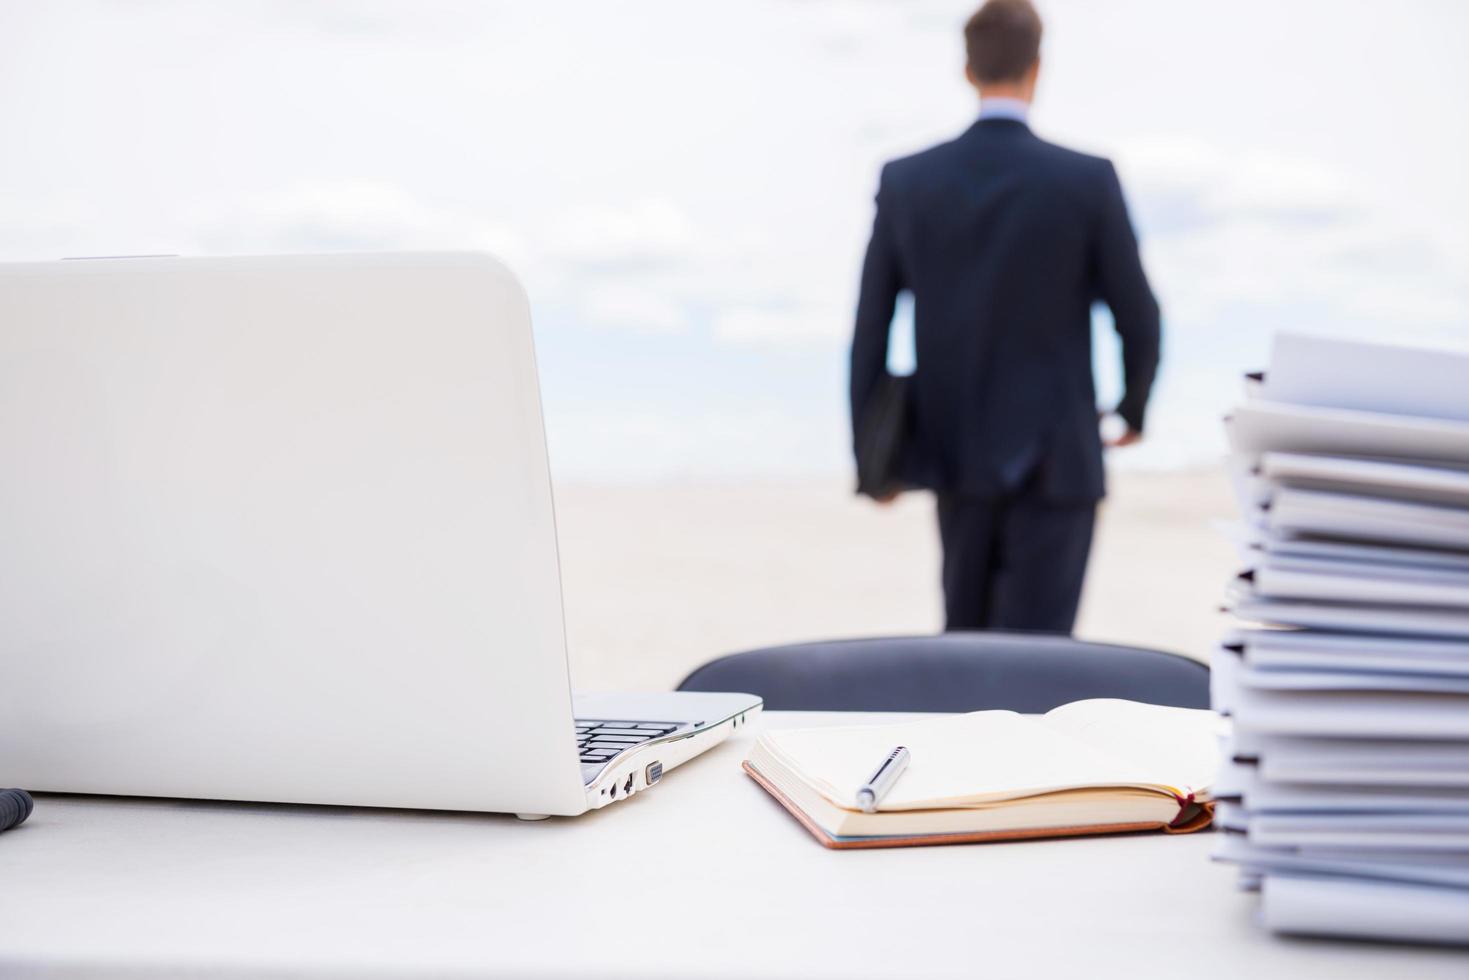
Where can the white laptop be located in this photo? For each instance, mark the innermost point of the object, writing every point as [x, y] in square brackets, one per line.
[280, 529]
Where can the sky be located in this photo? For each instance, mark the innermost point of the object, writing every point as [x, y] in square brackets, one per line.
[686, 187]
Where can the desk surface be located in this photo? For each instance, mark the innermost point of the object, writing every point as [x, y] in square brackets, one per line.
[705, 876]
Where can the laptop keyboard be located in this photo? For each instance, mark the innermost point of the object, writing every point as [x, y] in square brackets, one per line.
[599, 741]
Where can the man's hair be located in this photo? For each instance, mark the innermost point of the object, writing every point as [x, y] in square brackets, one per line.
[1003, 39]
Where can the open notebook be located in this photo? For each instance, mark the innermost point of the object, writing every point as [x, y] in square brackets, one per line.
[1091, 767]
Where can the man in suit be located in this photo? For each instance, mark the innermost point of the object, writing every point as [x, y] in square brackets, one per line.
[1005, 242]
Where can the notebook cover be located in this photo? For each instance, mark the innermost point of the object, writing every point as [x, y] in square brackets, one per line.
[1192, 817]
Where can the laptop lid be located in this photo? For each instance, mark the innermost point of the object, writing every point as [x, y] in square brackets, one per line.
[279, 529]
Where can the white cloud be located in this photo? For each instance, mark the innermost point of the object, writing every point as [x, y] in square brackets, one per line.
[1281, 186]
[1237, 181]
[1253, 229]
[40, 227]
[353, 215]
[601, 236]
[638, 445]
[389, 20]
[779, 327]
[635, 307]
[616, 265]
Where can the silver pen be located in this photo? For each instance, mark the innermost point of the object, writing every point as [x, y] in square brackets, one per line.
[878, 784]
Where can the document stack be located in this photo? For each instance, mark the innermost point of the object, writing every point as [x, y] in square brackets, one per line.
[1345, 795]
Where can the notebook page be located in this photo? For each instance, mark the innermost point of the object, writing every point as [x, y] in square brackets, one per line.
[1179, 745]
[980, 757]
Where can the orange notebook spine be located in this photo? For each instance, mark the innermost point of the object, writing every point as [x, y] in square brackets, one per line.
[1192, 816]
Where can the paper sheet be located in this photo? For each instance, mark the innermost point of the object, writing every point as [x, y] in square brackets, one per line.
[1365, 909]
[1330, 373]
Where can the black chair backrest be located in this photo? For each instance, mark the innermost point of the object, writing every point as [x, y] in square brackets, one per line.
[1030, 673]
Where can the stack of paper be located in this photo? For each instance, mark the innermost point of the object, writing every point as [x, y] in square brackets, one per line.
[1345, 800]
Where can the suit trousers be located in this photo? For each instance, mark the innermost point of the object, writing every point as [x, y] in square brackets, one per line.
[1014, 562]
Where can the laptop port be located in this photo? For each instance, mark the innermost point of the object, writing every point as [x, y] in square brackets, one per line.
[653, 773]
[627, 786]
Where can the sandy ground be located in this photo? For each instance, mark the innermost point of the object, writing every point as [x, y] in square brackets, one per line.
[660, 579]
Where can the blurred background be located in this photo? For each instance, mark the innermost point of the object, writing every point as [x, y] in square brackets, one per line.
[685, 189]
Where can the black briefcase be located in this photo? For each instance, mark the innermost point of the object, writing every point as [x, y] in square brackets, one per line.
[883, 437]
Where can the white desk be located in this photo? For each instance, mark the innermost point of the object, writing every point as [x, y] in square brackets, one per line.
[704, 876]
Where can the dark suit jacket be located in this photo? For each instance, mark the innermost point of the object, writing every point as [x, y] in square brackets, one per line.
[1005, 241]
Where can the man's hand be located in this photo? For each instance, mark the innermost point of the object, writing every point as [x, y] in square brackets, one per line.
[1129, 437]
[1110, 421]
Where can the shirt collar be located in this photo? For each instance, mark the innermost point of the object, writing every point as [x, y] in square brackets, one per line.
[999, 107]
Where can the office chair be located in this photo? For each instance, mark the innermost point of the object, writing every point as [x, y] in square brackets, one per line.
[15, 806]
[1030, 673]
